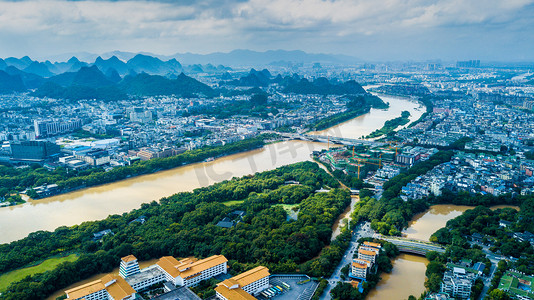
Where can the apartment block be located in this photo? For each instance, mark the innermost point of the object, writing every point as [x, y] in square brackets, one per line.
[245, 285]
[190, 271]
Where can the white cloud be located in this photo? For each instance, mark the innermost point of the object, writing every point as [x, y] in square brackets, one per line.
[211, 25]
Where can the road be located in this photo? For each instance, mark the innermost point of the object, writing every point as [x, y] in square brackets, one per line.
[362, 230]
[494, 259]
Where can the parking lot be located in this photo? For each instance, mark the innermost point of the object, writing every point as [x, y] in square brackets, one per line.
[297, 291]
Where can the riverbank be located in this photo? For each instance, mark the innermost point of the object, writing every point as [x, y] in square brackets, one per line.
[98, 202]
[98, 177]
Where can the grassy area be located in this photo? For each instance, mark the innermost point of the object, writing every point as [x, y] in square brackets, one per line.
[49, 264]
[233, 202]
[287, 207]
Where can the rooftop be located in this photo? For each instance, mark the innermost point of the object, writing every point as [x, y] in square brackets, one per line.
[234, 294]
[250, 276]
[145, 274]
[188, 267]
[129, 258]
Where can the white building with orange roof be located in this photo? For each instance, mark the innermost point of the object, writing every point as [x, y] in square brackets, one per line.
[368, 253]
[372, 245]
[129, 266]
[360, 268]
[108, 287]
[245, 285]
[190, 271]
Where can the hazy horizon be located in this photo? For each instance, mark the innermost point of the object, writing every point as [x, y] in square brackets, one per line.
[387, 31]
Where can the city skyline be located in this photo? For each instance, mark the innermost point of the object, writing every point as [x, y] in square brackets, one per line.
[394, 30]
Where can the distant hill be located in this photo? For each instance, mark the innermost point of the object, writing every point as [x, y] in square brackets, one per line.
[151, 85]
[91, 77]
[38, 68]
[254, 79]
[77, 92]
[31, 81]
[112, 63]
[91, 83]
[321, 86]
[86, 76]
[234, 58]
[19, 63]
[10, 83]
[254, 58]
[153, 65]
[3, 64]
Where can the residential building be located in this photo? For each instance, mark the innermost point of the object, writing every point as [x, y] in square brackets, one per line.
[368, 253]
[245, 285]
[46, 128]
[190, 271]
[457, 283]
[108, 287]
[360, 268]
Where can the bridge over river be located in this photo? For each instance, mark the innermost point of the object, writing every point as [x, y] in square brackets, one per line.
[413, 246]
[332, 139]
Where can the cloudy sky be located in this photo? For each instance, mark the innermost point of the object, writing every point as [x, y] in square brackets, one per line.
[367, 29]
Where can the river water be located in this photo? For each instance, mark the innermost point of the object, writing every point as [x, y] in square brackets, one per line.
[98, 202]
[375, 119]
[408, 275]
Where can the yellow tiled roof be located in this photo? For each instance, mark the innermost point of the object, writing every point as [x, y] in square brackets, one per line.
[85, 289]
[366, 252]
[233, 294]
[376, 245]
[128, 258]
[120, 289]
[359, 266]
[204, 264]
[188, 267]
[252, 275]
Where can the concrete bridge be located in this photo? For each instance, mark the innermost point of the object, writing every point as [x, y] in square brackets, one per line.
[332, 139]
[413, 246]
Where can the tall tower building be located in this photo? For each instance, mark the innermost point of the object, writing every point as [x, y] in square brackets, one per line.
[129, 266]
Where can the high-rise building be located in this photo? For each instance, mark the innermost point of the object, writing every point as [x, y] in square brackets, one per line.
[129, 266]
[46, 128]
[34, 151]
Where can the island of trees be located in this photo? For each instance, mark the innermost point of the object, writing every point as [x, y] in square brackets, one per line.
[390, 125]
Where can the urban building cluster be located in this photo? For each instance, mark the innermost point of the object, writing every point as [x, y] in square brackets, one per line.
[172, 274]
[363, 264]
[474, 173]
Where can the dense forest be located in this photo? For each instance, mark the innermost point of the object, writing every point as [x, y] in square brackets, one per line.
[14, 180]
[184, 224]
